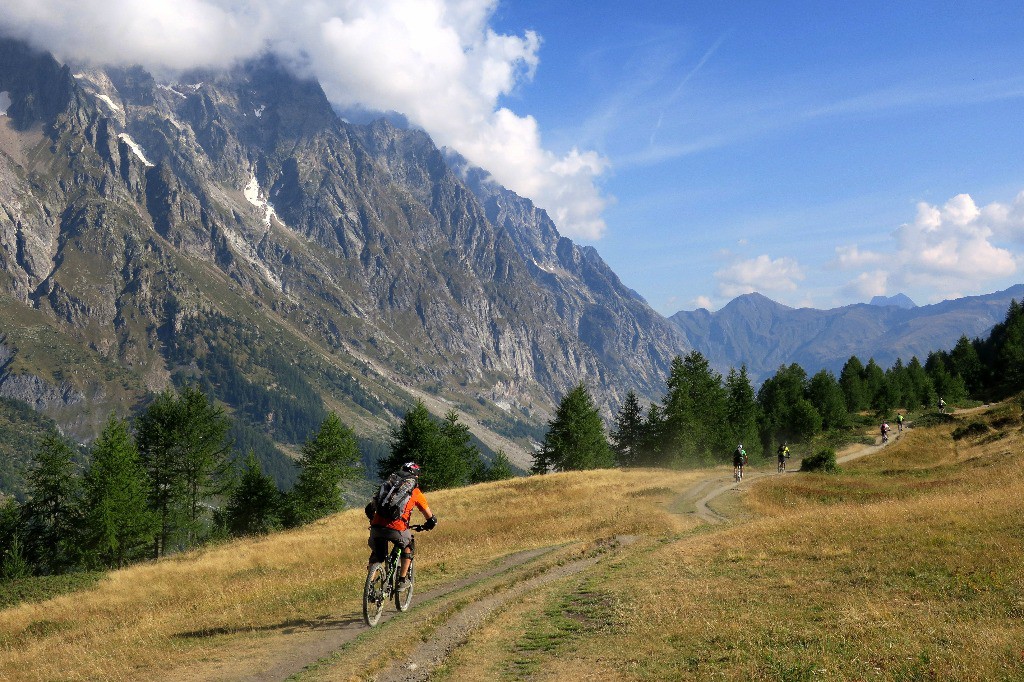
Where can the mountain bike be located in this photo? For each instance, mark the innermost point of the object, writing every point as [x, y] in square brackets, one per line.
[382, 583]
[782, 464]
[737, 472]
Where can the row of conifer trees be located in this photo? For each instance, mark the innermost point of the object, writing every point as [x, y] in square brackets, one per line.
[170, 480]
[703, 417]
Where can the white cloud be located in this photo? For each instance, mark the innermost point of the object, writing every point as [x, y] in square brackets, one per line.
[946, 249]
[1006, 220]
[704, 302]
[867, 285]
[760, 274]
[852, 257]
[436, 61]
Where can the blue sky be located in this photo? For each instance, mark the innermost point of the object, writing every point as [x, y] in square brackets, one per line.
[748, 141]
[820, 153]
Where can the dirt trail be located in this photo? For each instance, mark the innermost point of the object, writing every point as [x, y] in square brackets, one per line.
[432, 653]
[297, 647]
[715, 486]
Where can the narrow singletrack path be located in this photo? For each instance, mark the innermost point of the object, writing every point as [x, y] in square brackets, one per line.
[702, 493]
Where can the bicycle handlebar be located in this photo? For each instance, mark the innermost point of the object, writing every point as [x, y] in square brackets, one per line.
[418, 527]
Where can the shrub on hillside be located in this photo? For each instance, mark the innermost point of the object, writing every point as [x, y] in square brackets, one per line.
[933, 419]
[824, 461]
[972, 429]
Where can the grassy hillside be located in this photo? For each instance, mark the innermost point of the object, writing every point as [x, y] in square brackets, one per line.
[907, 565]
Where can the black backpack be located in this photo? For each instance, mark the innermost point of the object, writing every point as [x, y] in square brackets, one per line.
[393, 495]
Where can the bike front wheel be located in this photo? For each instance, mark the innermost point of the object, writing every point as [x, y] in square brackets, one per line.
[373, 593]
[403, 597]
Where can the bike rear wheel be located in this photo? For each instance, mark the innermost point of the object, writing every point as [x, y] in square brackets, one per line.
[403, 598]
[373, 593]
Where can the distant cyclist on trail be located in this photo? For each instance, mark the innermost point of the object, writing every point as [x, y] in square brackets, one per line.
[783, 456]
[739, 458]
[942, 405]
[899, 423]
[885, 432]
[384, 529]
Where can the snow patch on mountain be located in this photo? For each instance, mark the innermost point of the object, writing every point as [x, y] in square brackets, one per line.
[168, 88]
[110, 102]
[135, 148]
[5, 102]
[252, 195]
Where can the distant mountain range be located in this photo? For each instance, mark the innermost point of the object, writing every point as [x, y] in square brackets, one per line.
[763, 334]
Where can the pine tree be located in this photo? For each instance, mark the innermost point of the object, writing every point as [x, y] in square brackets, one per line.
[899, 382]
[851, 381]
[1007, 341]
[459, 455]
[874, 382]
[13, 562]
[695, 425]
[328, 459]
[653, 436]
[184, 447]
[52, 514]
[948, 387]
[923, 390]
[575, 439]
[418, 439]
[786, 413]
[159, 449]
[964, 362]
[628, 435]
[824, 393]
[118, 523]
[255, 504]
[205, 465]
[499, 469]
[741, 407]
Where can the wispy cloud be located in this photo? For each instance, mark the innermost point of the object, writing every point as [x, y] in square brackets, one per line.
[718, 114]
[912, 96]
[675, 94]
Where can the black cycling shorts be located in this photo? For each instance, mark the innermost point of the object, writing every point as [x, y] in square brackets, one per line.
[381, 536]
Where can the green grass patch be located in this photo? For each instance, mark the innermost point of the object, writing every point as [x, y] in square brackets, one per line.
[583, 612]
[41, 588]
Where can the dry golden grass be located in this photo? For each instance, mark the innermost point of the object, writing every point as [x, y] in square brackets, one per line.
[140, 622]
[909, 565]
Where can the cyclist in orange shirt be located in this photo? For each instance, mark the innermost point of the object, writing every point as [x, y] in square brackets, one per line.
[384, 529]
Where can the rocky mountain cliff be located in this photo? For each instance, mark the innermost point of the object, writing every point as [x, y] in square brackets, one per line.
[763, 334]
[229, 228]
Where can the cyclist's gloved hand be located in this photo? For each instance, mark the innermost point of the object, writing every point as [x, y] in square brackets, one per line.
[431, 522]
